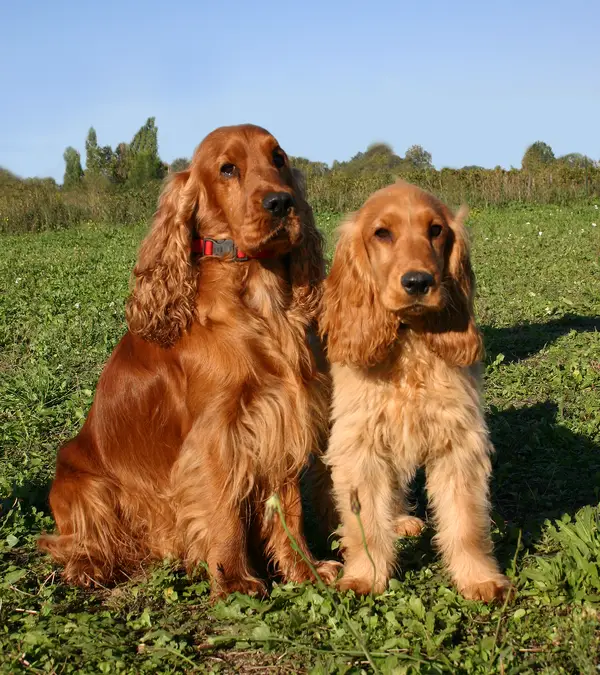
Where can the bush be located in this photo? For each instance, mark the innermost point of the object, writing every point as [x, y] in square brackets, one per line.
[28, 206]
[34, 205]
[343, 191]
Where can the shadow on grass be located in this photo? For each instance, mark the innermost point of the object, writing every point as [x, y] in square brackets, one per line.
[526, 339]
[32, 494]
[541, 471]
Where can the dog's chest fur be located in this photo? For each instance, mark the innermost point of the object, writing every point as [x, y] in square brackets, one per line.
[270, 399]
[410, 406]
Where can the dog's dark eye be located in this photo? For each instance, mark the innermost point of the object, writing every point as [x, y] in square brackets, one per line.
[383, 233]
[228, 170]
[278, 159]
[435, 231]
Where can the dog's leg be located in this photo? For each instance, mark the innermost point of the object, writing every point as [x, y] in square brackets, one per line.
[211, 517]
[408, 526]
[92, 543]
[290, 564]
[366, 502]
[457, 485]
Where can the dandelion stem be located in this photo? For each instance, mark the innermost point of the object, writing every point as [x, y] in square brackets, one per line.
[364, 542]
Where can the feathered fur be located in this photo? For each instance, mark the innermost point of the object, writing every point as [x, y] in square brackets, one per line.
[211, 401]
[406, 390]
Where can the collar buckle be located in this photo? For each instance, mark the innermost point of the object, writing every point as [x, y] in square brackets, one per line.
[221, 247]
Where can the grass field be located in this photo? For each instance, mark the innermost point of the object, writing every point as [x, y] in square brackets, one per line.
[61, 313]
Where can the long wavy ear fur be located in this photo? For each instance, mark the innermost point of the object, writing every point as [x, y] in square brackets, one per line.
[307, 264]
[161, 305]
[453, 334]
[358, 328]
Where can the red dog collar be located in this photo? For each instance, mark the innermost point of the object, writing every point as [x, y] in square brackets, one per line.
[224, 247]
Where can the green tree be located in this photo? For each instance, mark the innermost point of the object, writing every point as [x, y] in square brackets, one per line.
[8, 178]
[92, 159]
[98, 161]
[576, 160]
[378, 157]
[309, 167]
[536, 156]
[106, 162]
[144, 163]
[179, 164]
[418, 158]
[381, 156]
[73, 170]
[120, 164]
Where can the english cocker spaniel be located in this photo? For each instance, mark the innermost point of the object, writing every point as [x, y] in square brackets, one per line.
[211, 401]
[405, 349]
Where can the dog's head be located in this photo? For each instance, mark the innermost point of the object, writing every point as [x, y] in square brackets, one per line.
[239, 186]
[246, 190]
[403, 258]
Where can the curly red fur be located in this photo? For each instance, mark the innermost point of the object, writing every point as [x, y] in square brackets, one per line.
[212, 401]
[162, 303]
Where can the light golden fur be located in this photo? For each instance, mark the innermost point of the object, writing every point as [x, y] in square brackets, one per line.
[406, 390]
[212, 400]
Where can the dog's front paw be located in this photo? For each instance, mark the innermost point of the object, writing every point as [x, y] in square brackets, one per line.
[245, 585]
[328, 570]
[490, 590]
[409, 526]
[361, 586]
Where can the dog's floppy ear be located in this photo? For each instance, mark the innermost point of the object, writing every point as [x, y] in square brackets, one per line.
[358, 328]
[452, 334]
[161, 304]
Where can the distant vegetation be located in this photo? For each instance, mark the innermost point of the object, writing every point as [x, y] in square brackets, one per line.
[121, 185]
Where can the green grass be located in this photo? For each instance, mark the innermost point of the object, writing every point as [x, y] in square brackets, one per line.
[61, 313]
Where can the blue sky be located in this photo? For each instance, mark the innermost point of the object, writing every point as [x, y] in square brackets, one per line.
[473, 82]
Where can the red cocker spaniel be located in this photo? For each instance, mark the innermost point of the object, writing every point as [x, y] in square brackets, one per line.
[404, 347]
[211, 401]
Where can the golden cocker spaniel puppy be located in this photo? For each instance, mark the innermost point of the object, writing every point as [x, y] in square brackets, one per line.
[405, 349]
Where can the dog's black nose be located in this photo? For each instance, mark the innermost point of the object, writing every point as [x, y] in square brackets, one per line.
[278, 203]
[417, 283]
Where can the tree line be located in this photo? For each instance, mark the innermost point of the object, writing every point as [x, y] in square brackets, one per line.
[136, 163]
[121, 185]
